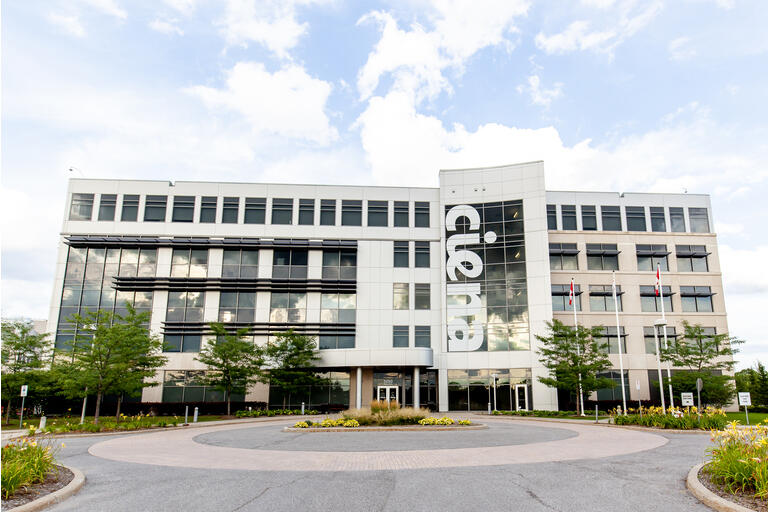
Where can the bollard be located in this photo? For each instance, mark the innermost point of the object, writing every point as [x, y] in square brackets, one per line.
[186, 414]
[489, 408]
[194, 418]
[43, 421]
[595, 414]
[302, 408]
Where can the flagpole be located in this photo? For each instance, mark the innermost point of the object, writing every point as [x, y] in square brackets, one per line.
[618, 337]
[576, 338]
[664, 318]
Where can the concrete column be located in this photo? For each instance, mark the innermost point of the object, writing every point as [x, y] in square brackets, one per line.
[416, 388]
[359, 388]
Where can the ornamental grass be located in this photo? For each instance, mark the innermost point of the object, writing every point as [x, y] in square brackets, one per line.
[26, 462]
[385, 414]
[690, 418]
[739, 459]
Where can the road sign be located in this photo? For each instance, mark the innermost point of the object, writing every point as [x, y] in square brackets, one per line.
[687, 399]
[23, 390]
[699, 384]
[745, 399]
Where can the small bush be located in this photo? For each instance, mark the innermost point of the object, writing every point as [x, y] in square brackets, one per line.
[351, 423]
[676, 418]
[301, 424]
[257, 413]
[26, 462]
[465, 422]
[739, 459]
[386, 417]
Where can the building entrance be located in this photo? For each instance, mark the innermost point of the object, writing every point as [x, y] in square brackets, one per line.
[521, 397]
[388, 394]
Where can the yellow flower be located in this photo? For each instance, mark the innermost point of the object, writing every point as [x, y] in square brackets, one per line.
[63, 445]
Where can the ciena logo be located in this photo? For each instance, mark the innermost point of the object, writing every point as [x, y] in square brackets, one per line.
[465, 329]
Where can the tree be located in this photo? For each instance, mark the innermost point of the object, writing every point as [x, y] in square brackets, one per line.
[758, 384]
[232, 361]
[112, 353]
[290, 358]
[24, 355]
[569, 353]
[706, 356]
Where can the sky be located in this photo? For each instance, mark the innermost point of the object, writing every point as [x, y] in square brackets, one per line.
[614, 95]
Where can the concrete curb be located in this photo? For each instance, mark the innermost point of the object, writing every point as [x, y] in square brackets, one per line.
[599, 424]
[426, 428]
[706, 496]
[659, 430]
[57, 496]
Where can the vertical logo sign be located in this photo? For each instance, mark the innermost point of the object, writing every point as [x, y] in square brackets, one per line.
[465, 308]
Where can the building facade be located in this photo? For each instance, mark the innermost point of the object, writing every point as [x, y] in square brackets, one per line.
[431, 296]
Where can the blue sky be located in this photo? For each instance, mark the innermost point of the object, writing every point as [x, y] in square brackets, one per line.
[622, 95]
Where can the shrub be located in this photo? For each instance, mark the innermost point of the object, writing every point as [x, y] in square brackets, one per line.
[26, 462]
[677, 418]
[386, 417]
[445, 420]
[301, 424]
[351, 423]
[739, 459]
[465, 422]
[256, 413]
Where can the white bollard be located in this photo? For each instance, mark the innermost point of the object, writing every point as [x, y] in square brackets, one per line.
[489, 408]
[302, 408]
[186, 414]
[194, 418]
[43, 420]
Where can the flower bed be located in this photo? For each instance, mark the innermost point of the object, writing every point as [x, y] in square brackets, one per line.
[257, 413]
[677, 418]
[541, 414]
[739, 460]
[26, 462]
[352, 423]
[108, 424]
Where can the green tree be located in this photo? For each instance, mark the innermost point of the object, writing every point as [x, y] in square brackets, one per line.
[233, 362]
[290, 358]
[759, 385]
[112, 353]
[569, 353]
[25, 354]
[706, 356]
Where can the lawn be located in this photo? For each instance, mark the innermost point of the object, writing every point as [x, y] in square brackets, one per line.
[61, 421]
[754, 417]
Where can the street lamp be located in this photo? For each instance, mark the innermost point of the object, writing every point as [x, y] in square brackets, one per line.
[659, 323]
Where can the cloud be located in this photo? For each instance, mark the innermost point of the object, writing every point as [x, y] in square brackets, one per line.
[288, 102]
[679, 49]
[69, 24]
[185, 7]
[108, 7]
[417, 57]
[619, 24]
[166, 26]
[539, 95]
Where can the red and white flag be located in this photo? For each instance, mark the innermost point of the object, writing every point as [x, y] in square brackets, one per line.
[657, 286]
[571, 294]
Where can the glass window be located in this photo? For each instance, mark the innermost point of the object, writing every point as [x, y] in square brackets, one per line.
[180, 343]
[208, 209]
[400, 296]
[154, 209]
[650, 302]
[327, 212]
[306, 212]
[400, 336]
[588, 218]
[677, 219]
[189, 263]
[230, 210]
[401, 214]
[288, 307]
[614, 393]
[421, 255]
[185, 307]
[255, 210]
[339, 264]
[658, 222]
[568, 215]
[351, 213]
[282, 211]
[240, 263]
[401, 255]
[611, 218]
[602, 257]
[334, 341]
[183, 209]
[648, 256]
[552, 216]
[338, 307]
[692, 258]
[107, 203]
[699, 220]
[237, 307]
[650, 342]
[696, 299]
[635, 218]
[422, 336]
[81, 207]
[377, 213]
[560, 297]
[601, 297]
[130, 211]
[421, 296]
[610, 338]
[289, 263]
[421, 214]
[563, 257]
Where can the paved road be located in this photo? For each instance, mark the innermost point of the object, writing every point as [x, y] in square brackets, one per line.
[647, 481]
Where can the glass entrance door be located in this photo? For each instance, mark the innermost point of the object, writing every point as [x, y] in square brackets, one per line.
[521, 397]
[388, 394]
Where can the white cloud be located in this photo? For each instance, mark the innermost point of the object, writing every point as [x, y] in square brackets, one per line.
[185, 7]
[619, 24]
[539, 95]
[69, 24]
[166, 26]
[725, 228]
[417, 57]
[680, 49]
[108, 7]
[288, 102]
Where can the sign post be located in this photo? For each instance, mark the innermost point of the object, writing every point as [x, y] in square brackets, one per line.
[639, 403]
[23, 396]
[746, 400]
[687, 399]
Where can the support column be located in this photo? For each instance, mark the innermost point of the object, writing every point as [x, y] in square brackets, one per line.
[359, 388]
[416, 388]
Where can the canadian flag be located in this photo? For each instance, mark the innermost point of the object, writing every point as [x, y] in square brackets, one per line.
[657, 286]
[571, 294]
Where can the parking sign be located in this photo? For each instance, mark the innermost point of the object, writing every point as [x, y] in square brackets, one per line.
[745, 399]
[687, 399]
[23, 390]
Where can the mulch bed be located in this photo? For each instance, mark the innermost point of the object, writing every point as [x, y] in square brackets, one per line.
[745, 500]
[55, 480]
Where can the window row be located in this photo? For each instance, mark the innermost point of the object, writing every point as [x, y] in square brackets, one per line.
[635, 218]
[401, 256]
[401, 296]
[421, 336]
[690, 258]
[611, 341]
[693, 299]
[254, 210]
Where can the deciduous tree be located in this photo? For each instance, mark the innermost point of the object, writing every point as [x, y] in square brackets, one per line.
[290, 358]
[25, 353]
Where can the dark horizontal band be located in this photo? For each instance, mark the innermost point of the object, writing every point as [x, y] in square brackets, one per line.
[151, 241]
[124, 283]
[260, 328]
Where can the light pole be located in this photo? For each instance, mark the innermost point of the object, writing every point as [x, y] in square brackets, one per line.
[658, 323]
[494, 390]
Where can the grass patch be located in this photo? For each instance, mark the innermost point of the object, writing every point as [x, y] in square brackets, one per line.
[739, 460]
[108, 424]
[274, 412]
[552, 414]
[755, 418]
[676, 418]
[26, 462]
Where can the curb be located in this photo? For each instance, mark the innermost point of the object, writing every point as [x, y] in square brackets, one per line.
[428, 428]
[659, 430]
[706, 496]
[57, 496]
